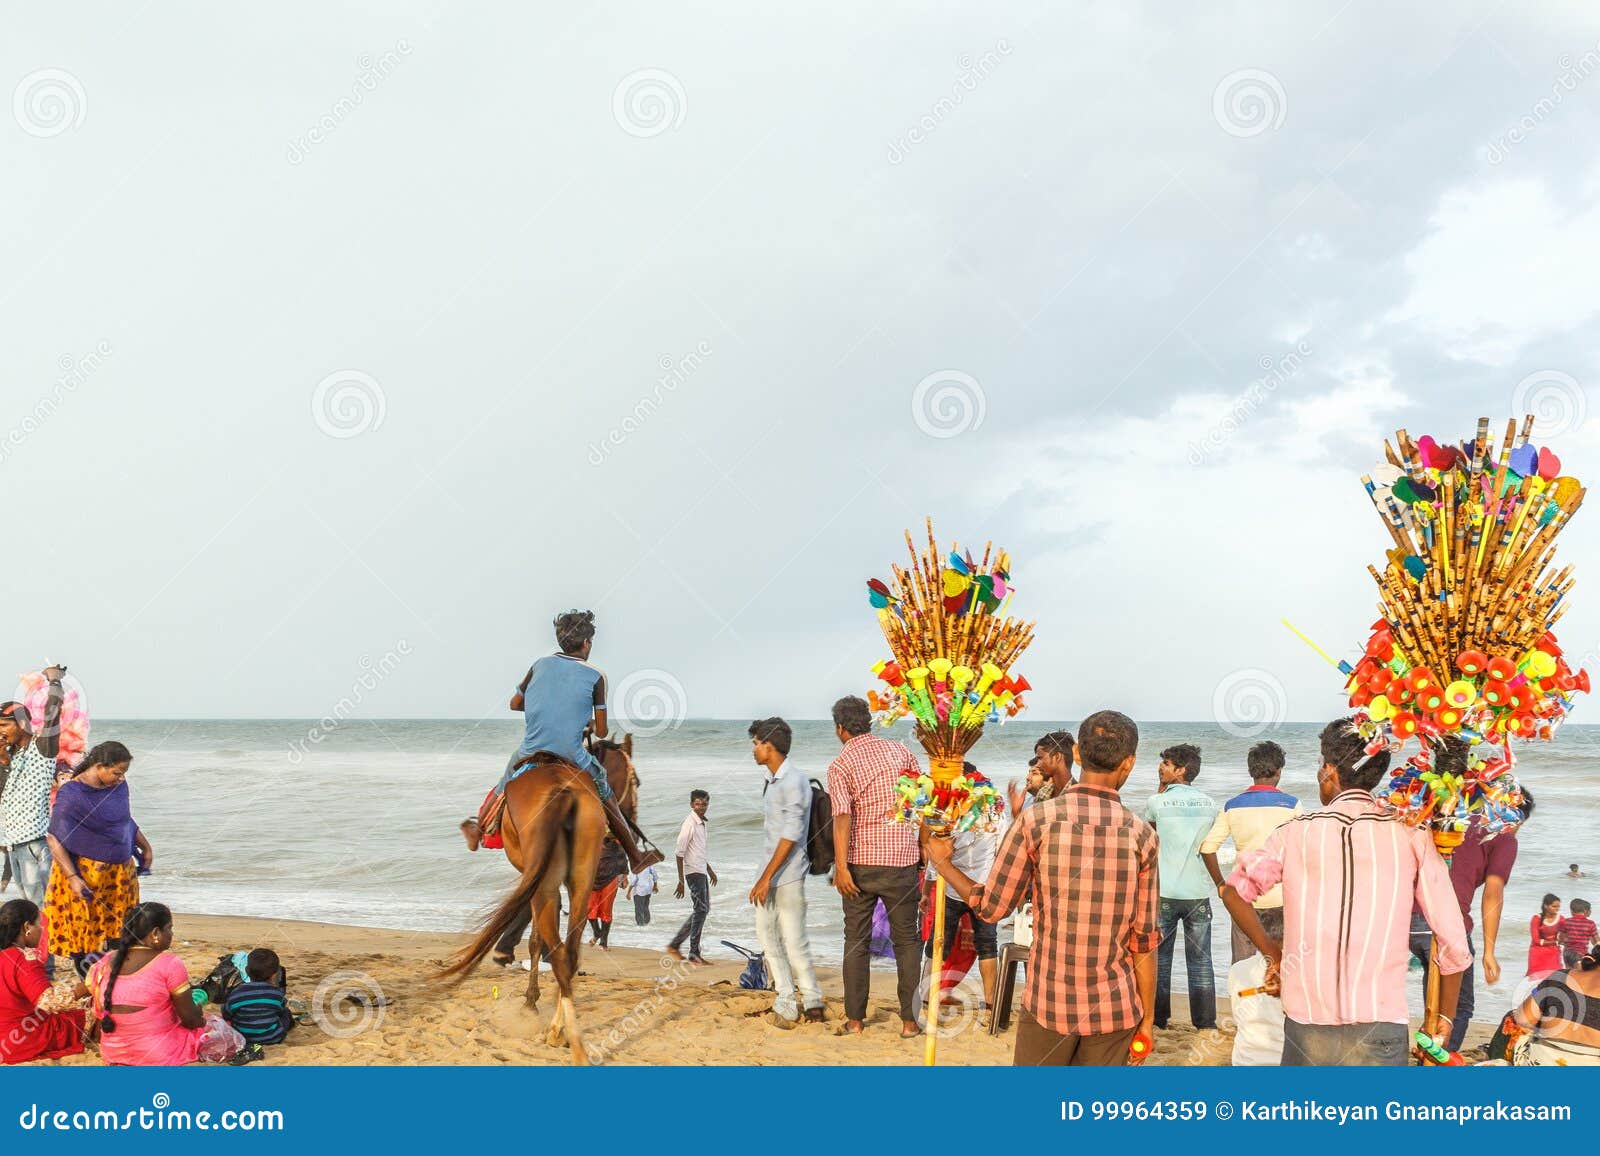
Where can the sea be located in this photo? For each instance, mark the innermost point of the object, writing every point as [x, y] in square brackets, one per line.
[358, 824]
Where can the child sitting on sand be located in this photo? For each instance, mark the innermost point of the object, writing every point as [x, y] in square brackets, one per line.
[258, 1008]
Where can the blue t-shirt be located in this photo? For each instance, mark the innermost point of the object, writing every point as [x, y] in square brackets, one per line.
[557, 706]
[1182, 816]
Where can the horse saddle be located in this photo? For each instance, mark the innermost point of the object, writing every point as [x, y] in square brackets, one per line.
[489, 815]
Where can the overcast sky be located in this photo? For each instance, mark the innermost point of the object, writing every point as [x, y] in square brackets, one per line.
[337, 332]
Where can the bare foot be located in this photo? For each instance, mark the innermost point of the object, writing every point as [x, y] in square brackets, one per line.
[909, 1030]
[674, 953]
[853, 1027]
[472, 833]
[699, 961]
[814, 1015]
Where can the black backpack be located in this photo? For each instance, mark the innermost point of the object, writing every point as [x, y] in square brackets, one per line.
[819, 830]
[226, 976]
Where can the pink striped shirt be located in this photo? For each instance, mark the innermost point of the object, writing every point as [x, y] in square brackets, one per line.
[1350, 874]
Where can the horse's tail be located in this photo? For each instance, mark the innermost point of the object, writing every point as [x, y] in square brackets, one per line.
[537, 845]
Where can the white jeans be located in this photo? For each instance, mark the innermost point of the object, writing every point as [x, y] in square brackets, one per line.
[781, 928]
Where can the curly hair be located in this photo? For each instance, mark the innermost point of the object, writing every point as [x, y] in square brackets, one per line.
[573, 629]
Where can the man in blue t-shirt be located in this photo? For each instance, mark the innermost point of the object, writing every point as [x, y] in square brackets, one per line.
[1182, 816]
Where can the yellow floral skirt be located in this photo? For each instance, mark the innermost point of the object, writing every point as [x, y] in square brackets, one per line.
[75, 926]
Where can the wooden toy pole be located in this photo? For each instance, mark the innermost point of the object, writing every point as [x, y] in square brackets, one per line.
[935, 987]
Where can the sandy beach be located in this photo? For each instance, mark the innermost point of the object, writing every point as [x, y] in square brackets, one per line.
[636, 1007]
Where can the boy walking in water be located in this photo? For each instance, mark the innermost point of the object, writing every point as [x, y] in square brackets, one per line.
[779, 895]
[696, 871]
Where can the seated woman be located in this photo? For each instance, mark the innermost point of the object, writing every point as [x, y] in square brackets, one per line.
[1562, 1014]
[145, 1005]
[35, 1024]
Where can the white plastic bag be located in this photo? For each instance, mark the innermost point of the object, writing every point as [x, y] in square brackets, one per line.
[1257, 1018]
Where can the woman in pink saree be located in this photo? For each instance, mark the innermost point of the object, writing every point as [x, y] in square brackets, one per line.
[145, 1004]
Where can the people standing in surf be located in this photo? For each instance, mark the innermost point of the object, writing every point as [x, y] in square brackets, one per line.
[561, 698]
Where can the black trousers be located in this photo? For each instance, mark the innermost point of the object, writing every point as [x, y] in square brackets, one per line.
[700, 896]
[507, 944]
[897, 887]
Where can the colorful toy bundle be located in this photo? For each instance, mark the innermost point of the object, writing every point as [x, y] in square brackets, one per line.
[33, 692]
[952, 649]
[966, 802]
[1464, 649]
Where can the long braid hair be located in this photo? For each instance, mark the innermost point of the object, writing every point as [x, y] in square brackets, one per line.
[14, 916]
[136, 925]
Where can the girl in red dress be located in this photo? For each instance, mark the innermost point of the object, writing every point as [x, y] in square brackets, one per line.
[30, 1026]
[1544, 951]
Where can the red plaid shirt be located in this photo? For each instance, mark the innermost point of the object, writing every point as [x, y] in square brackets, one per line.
[1089, 865]
[862, 784]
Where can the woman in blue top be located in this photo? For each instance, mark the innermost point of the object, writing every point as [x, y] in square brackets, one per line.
[561, 697]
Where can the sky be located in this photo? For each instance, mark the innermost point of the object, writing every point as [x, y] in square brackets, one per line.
[343, 346]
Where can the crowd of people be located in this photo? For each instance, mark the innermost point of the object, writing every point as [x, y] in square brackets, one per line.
[1333, 897]
[82, 958]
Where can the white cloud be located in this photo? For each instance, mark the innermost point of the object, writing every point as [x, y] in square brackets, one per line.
[1504, 264]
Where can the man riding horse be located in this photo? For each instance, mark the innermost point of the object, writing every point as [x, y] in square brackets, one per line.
[561, 697]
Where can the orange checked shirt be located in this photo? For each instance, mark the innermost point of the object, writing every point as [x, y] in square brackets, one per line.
[1089, 865]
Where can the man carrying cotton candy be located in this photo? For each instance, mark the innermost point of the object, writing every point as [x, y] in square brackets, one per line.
[1350, 874]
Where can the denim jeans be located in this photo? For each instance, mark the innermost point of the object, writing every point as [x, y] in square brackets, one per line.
[1467, 1002]
[700, 892]
[781, 928]
[1195, 915]
[30, 869]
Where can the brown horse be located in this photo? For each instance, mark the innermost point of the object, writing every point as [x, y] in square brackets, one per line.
[553, 825]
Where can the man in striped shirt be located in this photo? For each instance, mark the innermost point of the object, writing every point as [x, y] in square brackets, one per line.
[1350, 874]
[1090, 866]
[874, 859]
